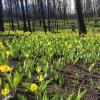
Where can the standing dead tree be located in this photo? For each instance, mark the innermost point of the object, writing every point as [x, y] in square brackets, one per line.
[81, 24]
[1, 17]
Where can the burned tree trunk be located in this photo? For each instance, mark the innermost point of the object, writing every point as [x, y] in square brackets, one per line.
[48, 5]
[17, 11]
[82, 27]
[11, 15]
[23, 14]
[28, 19]
[33, 17]
[43, 16]
[1, 17]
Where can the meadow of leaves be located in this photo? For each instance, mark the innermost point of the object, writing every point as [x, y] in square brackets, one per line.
[31, 62]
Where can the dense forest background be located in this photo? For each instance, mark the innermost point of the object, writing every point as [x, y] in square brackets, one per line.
[47, 15]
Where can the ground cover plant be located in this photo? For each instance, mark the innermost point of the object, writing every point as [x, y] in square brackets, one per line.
[50, 66]
[49, 49]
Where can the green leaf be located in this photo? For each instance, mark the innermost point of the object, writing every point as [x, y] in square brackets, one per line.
[27, 85]
[29, 74]
[61, 97]
[76, 60]
[91, 67]
[21, 97]
[61, 80]
[55, 97]
[70, 96]
[44, 85]
[80, 94]
[45, 97]
[58, 64]
[17, 78]
[9, 80]
[7, 85]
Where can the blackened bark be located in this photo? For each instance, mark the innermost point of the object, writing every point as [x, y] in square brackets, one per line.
[11, 15]
[28, 19]
[33, 17]
[43, 16]
[17, 11]
[48, 5]
[82, 27]
[39, 11]
[1, 17]
[24, 17]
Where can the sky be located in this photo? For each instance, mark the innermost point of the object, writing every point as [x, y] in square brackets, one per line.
[70, 4]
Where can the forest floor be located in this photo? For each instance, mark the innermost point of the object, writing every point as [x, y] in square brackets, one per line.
[85, 80]
[75, 76]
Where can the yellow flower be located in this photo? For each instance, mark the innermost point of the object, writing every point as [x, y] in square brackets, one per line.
[34, 87]
[41, 78]
[38, 69]
[5, 68]
[5, 91]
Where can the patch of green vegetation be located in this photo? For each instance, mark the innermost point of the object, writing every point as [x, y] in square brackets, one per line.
[39, 60]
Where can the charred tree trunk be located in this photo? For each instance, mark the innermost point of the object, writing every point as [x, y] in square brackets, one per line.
[82, 27]
[33, 17]
[48, 4]
[17, 11]
[1, 17]
[11, 15]
[39, 11]
[24, 17]
[43, 16]
[28, 19]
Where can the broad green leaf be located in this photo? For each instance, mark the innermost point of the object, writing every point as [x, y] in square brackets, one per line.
[27, 85]
[29, 74]
[62, 97]
[45, 96]
[54, 97]
[44, 85]
[9, 80]
[61, 79]
[21, 97]
[7, 85]
[17, 78]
